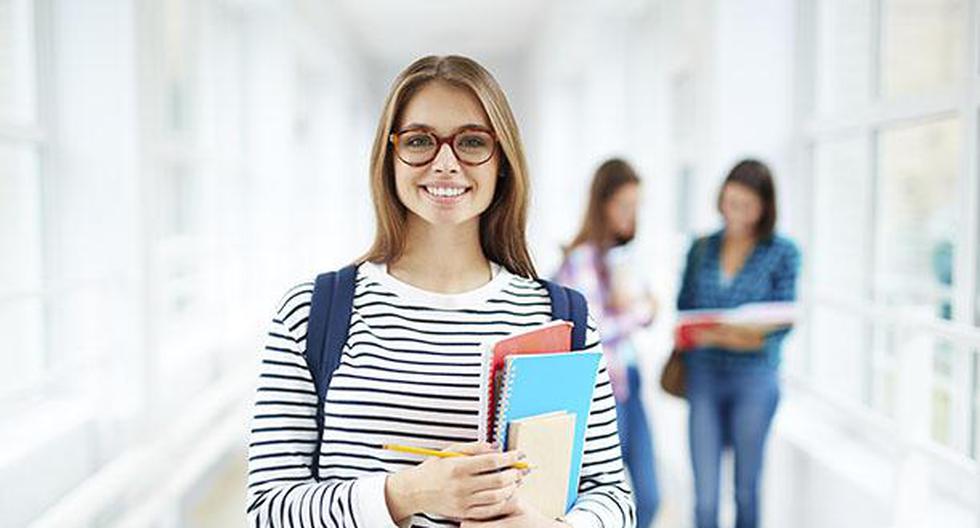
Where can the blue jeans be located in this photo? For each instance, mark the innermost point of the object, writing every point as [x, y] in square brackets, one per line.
[637, 445]
[729, 406]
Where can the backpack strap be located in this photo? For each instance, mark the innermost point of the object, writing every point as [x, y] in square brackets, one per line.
[569, 305]
[327, 326]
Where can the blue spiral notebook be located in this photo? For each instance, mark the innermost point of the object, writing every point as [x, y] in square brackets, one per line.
[543, 383]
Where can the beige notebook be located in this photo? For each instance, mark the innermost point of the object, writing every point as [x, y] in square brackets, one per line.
[547, 440]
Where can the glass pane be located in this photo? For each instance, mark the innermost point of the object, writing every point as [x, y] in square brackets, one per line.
[885, 366]
[842, 219]
[952, 385]
[841, 356]
[22, 353]
[975, 435]
[178, 198]
[844, 60]
[931, 384]
[923, 45]
[17, 67]
[179, 50]
[918, 216]
[20, 220]
[77, 332]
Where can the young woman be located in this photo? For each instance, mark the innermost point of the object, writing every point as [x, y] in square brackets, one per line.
[449, 270]
[732, 373]
[597, 264]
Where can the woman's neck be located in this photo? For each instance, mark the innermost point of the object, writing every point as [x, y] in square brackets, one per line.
[738, 238]
[442, 259]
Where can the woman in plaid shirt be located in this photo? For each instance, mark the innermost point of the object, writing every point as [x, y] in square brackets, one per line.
[597, 264]
[732, 373]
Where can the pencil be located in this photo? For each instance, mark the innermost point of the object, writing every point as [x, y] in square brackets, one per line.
[440, 454]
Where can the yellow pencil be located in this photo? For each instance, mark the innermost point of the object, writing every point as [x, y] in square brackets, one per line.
[440, 454]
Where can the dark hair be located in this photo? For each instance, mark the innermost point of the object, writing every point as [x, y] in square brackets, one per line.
[609, 177]
[756, 176]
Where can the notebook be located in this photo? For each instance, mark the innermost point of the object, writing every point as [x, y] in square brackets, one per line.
[555, 336]
[765, 317]
[546, 439]
[543, 383]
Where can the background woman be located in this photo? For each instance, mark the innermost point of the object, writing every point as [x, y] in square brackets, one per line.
[598, 263]
[732, 373]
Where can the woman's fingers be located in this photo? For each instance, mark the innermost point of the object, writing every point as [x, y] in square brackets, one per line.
[472, 448]
[483, 513]
[495, 461]
[493, 496]
[496, 480]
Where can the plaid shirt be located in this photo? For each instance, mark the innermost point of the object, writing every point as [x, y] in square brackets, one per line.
[580, 270]
[768, 274]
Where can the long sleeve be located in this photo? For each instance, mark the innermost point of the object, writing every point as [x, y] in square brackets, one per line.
[685, 299]
[784, 284]
[283, 441]
[605, 499]
[579, 272]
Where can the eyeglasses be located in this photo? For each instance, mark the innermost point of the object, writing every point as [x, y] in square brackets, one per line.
[419, 146]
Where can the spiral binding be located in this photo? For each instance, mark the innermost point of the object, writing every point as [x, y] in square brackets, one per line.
[503, 403]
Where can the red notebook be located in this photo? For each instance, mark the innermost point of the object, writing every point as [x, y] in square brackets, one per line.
[684, 333]
[552, 337]
[765, 317]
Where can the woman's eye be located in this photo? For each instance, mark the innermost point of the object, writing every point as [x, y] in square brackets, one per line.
[418, 141]
[472, 142]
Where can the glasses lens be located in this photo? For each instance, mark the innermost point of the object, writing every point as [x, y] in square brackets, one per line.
[416, 146]
[474, 146]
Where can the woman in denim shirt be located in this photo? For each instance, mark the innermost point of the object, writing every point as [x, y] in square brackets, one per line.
[732, 372]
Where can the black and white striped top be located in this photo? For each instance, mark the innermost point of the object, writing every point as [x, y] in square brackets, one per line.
[409, 374]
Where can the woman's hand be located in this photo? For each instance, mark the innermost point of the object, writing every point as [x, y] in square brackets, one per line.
[652, 304]
[732, 337]
[521, 516]
[478, 486]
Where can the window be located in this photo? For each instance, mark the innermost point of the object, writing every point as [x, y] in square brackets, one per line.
[17, 63]
[843, 54]
[21, 277]
[891, 239]
[919, 214]
[842, 241]
[923, 45]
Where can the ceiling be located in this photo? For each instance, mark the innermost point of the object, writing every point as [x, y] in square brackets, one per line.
[396, 32]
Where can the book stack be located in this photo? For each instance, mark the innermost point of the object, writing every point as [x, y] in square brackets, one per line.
[538, 397]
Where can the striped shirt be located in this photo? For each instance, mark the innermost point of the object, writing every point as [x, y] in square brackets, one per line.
[409, 374]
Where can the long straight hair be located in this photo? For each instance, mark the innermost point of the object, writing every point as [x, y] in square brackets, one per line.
[609, 178]
[503, 224]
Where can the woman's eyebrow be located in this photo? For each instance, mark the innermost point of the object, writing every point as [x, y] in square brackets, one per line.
[410, 126]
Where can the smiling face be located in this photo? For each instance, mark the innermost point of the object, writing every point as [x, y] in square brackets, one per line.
[445, 192]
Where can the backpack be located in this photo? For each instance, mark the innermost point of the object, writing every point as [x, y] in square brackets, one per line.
[329, 321]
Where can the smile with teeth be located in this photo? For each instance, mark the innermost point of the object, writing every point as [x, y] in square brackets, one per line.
[445, 192]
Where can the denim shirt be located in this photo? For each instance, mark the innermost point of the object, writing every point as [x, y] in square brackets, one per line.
[768, 274]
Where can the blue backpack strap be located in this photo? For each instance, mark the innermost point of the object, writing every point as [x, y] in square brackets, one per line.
[326, 334]
[569, 305]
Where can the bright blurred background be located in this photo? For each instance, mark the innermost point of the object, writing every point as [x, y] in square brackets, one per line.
[169, 167]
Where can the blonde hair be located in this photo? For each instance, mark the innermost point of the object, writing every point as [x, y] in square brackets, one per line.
[502, 225]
